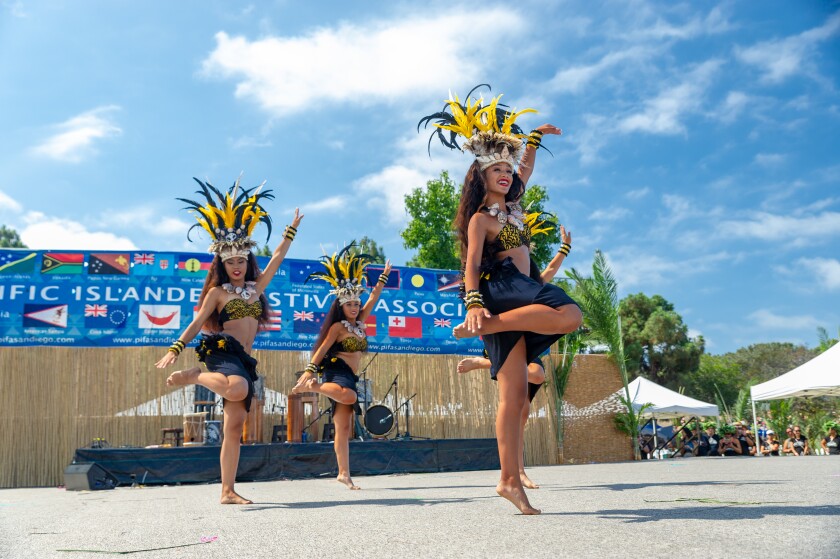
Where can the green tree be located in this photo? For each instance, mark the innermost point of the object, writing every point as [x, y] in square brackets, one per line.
[264, 251]
[826, 341]
[368, 246]
[535, 199]
[656, 340]
[717, 376]
[9, 238]
[432, 210]
[762, 362]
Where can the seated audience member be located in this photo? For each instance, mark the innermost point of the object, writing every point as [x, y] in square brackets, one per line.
[831, 443]
[797, 445]
[746, 439]
[689, 439]
[729, 443]
[646, 446]
[713, 437]
[771, 446]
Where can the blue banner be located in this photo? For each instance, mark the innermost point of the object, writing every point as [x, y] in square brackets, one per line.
[132, 298]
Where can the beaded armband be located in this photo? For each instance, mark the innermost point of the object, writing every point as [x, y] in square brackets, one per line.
[290, 233]
[177, 347]
[311, 368]
[473, 300]
[383, 278]
[535, 138]
[564, 249]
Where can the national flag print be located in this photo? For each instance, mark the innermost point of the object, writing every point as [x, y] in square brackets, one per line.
[405, 326]
[370, 325]
[108, 264]
[275, 321]
[105, 316]
[164, 317]
[194, 265]
[17, 262]
[153, 264]
[299, 271]
[420, 281]
[40, 316]
[448, 281]
[443, 323]
[307, 322]
[144, 258]
[62, 263]
[374, 272]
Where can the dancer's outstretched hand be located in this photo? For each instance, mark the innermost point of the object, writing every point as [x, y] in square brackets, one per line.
[167, 360]
[549, 129]
[474, 317]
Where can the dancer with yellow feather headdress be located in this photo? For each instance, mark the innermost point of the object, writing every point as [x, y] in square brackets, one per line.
[233, 306]
[337, 352]
[517, 316]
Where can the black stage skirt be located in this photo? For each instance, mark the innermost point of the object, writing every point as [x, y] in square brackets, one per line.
[337, 371]
[534, 388]
[222, 353]
[507, 289]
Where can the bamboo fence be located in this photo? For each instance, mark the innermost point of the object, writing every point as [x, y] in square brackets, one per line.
[57, 399]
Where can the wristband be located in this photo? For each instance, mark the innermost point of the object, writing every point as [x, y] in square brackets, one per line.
[290, 233]
[535, 138]
[565, 248]
[474, 300]
[383, 278]
[177, 347]
[311, 368]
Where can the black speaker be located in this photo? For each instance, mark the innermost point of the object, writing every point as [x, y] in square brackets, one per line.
[88, 477]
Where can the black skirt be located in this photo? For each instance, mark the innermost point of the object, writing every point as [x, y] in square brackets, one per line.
[222, 353]
[506, 289]
[337, 371]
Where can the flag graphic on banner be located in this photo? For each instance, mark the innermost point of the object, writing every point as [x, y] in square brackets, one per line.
[299, 271]
[421, 281]
[108, 264]
[370, 325]
[194, 265]
[307, 322]
[373, 274]
[159, 316]
[153, 264]
[16, 262]
[405, 326]
[275, 321]
[62, 263]
[39, 316]
[105, 316]
[448, 281]
[443, 323]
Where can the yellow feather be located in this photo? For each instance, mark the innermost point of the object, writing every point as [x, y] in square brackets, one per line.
[511, 117]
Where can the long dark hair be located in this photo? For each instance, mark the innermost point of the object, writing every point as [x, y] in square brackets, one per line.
[473, 194]
[216, 276]
[334, 314]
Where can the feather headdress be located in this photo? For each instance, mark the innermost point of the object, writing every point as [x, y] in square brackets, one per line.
[230, 218]
[490, 131]
[344, 271]
[540, 223]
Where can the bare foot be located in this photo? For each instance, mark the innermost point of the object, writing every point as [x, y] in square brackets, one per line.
[345, 479]
[526, 481]
[183, 378]
[469, 364]
[461, 331]
[516, 495]
[234, 499]
[304, 378]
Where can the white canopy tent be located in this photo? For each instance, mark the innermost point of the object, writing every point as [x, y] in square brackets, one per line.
[666, 404]
[818, 377]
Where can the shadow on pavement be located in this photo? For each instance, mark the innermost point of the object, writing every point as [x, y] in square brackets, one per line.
[629, 486]
[719, 512]
[358, 502]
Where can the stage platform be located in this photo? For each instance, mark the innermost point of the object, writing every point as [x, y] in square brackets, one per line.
[265, 462]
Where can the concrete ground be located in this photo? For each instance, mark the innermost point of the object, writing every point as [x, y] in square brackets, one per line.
[694, 507]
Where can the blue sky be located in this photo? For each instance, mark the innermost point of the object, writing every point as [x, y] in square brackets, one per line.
[700, 147]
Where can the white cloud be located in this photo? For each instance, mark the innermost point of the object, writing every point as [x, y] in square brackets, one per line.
[359, 64]
[783, 58]
[327, 204]
[609, 214]
[634, 269]
[42, 232]
[76, 137]
[574, 79]
[9, 203]
[714, 23]
[733, 106]
[825, 271]
[769, 159]
[772, 227]
[638, 193]
[145, 219]
[662, 114]
[768, 319]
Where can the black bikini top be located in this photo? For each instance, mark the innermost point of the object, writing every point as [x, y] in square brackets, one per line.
[239, 308]
[350, 344]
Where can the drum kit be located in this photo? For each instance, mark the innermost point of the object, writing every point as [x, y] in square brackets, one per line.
[378, 419]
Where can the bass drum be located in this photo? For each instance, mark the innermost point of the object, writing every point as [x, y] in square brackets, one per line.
[379, 420]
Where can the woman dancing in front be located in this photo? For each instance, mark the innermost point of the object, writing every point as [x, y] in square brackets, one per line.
[232, 308]
[517, 316]
[338, 349]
